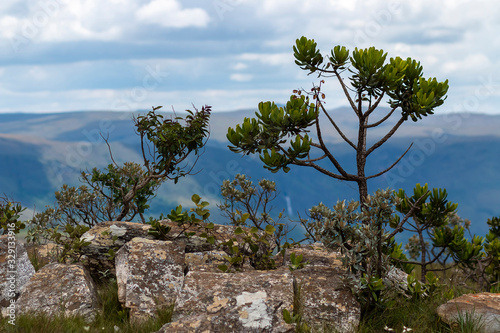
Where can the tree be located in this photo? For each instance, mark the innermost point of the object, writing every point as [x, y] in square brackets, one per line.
[434, 219]
[122, 192]
[280, 134]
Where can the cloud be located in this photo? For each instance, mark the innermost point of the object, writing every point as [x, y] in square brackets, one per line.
[168, 13]
[239, 77]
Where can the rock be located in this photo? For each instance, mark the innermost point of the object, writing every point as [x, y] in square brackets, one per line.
[238, 302]
[112, 235]
[45, 253]
[484, 308]
[209, 261]
[57, 287]
[150, 274]
[326, 301]
[206, 323]
[15, 270]
[107, 236]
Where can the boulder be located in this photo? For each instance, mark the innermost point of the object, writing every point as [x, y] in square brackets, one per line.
[57, 287]
[112, 235]
[15, 270]
[483, 308]
[234, 302]
[149, 274]
[106, 236]
[326, 301]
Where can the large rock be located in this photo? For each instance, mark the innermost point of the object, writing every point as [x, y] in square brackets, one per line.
[112, 235]
[15, 271]
[57, 287]
[150, 274]
[326, 301]
[107, 236]
[484, 308]
[240, 302]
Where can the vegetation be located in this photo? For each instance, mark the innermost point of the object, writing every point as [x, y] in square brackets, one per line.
[281, 134]
[363, 231]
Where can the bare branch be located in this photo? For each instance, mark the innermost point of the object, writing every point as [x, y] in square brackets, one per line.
[344, 88]
[386, 137]
[374, 106]
[336, 127]
[392, 166]
[382, 120]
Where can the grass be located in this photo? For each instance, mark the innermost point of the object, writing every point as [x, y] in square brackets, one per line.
[111, 317]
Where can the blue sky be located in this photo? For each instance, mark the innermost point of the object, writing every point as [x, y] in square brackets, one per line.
[63, 55]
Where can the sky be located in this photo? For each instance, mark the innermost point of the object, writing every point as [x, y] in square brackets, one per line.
[125, 55]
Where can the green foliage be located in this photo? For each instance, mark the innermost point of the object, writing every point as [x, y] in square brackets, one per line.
[115, 182]
[368, 250]
[434, 219]
[492, 255]
[249, 244]
[192, 221]
[280, 135]
[247, 204]
[9, 216]
[296, 317]
[296, 262]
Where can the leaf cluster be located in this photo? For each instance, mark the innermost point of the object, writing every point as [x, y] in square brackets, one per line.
[10, 214]
[278, 134]
[172, 140]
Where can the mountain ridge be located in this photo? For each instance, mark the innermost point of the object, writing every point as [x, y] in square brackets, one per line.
[460, 152]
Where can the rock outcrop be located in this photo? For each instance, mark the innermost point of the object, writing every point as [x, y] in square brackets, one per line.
[57, 287]
[112, 235]
[482, 308]
[152, 274]
[15, 271]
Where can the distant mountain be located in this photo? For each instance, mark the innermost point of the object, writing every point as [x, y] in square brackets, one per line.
[459, 152]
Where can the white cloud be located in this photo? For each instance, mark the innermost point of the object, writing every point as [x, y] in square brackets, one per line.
[273, 59]
[239, 77]
[169, 13]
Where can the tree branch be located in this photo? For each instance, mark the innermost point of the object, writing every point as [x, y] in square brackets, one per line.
[392, 166]
[336, 127]
[386, 137]
[382, 120]
[344, 88]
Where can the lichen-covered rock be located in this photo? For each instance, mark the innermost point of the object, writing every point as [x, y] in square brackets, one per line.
[107, 236]
[112, 235]
[209, 261]
[15, 270]
[45, 253]
[57, 287]
[208, 323]
[484, 308]
[315, 254]
[240, 302]
[326, 301]
[150, 274]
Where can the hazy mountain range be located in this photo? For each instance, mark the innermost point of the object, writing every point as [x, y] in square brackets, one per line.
[459, 152]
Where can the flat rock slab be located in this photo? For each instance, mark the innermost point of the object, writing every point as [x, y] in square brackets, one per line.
[15, 270]
[57, 287]
[150, 274]
[483, 307]
[240, 302]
